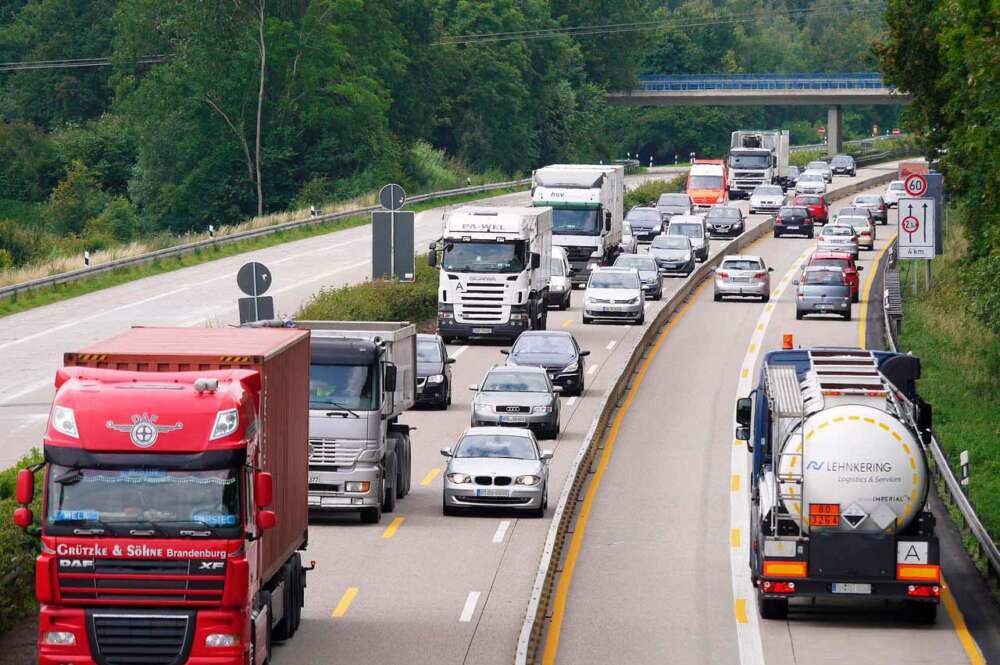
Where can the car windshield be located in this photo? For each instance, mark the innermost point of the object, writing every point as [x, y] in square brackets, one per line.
[205, 497]
[515, 382]
[759, 161]
[896, 185]
[724, 213]
[671, 242]
[866, 200]
[687, 230]
[807, 200]
[822, 166]
[833, 277]
[576, 222]
[496, 445]
[428, 352]
[643, 215]
[637, 262]
[674, 200]
[768, 191]
[831, 263]
[613, 280]
[341, 387]
[488, 257]
[705, 182]
[556, 268]
[810, 177]
[543, 344]
[838, 231]
[742, 264]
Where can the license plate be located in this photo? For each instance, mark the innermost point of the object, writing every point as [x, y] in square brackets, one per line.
[792, 228]
[739, 279]
[314, 480]
[493, 492]
[335, 501]
[512, 419]
[482, 331]
[824, 306]
[843, 587]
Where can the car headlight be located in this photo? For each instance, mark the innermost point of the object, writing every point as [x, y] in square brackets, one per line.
[527, 480]
[435, 378]
[541, 409]
[59, 637]
[593, 266]
[226, 422]
[632, 301]
[64, 421]
[222, 640]
[572, 367]
[459, 478]
[687, 257]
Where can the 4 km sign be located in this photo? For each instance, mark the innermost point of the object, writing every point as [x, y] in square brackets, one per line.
[916, 228]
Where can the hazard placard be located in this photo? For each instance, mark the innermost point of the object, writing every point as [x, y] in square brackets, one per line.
[916, 228]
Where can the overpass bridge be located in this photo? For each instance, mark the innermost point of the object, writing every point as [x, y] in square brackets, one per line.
[831, 90]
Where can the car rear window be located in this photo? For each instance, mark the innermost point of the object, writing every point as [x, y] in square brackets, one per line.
[829, 277]
[807, 200]
[742, 264]
[637, 262]
[838, 231]
[830, 263]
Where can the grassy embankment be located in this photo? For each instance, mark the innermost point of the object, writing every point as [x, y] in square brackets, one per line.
[961, 372]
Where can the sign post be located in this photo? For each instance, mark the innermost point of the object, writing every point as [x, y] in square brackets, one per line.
[392, 237]
[254, 279]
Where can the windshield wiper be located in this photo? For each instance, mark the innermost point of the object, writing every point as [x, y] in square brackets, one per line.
[208, 529]
[340, 409]
[69, 476]
[100, 529]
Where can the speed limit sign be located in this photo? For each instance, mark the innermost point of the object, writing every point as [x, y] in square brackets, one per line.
[915, 185]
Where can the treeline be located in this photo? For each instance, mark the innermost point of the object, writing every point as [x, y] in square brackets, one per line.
[263, 105]
[948, 56]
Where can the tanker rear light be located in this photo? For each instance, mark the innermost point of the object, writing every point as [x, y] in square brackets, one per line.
[918, 572]
[785, 569]
[777, 587]
[923, 591]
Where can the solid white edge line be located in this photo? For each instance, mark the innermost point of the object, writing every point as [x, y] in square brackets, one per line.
[611, 345]
[592, 369]
[501, 531]
[457, 352]
[470, 607]
[571, 401]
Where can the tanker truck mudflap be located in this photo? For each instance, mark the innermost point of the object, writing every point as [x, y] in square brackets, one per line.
[838, 497]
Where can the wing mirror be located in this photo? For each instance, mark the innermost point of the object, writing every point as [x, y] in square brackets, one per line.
[432, 258]
[23, 517]
[474, 387]
[558, 390]
[743, 434]
[584, 354]
[266, 519]
[546, 455]
[536, 260]
[744, 411]
[505, 352]
[770, 269]
[263, 488]
[450, 361]
[390, 378]
[446, 452]
[25, 486]
[859, 268]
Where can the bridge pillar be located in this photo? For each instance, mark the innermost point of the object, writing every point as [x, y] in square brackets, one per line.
[834, 130]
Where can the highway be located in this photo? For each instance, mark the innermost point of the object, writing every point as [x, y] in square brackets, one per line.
[654, 579]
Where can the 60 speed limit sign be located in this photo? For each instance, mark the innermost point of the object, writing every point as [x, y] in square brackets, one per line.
[915, 185]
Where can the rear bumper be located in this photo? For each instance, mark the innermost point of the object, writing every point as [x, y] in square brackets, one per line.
[819, 588]
[726, 288]
[819, 306]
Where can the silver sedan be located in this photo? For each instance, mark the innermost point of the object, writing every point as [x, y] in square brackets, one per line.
[496, 467]
[743, 276]
[517, 396]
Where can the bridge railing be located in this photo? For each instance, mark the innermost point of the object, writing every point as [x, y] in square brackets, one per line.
[689, 82]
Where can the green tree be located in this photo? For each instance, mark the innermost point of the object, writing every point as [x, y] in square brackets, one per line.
[74, 201]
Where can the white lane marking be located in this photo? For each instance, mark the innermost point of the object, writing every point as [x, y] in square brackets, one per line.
[592, 369]
[611, 345]
[748, 634]
[470, 607]
[501, 531]
[571, 401]
[27, 391]
[457, 352]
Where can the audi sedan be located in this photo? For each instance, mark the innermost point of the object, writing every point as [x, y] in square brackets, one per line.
[517, 397]
[743, 276]
[496, 468]
[555, 351]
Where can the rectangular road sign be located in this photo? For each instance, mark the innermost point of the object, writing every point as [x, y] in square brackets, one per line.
[392, 245]
[916, 228]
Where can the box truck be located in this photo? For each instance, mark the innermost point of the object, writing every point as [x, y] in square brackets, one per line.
[757, 157]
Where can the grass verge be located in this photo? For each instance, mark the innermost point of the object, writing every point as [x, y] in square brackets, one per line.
[17, 551]
[960, 361]
[53, 294]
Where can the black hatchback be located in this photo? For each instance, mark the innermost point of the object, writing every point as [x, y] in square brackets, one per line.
[433, 372]
[554, 350]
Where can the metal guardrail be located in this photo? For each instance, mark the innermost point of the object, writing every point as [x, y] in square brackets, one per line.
[874, 140]
[941, 469]
[681, 83]
[186, 248]
[533, 628]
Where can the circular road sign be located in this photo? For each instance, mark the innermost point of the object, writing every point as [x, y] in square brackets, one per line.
[910, 224]
[392, 197]
[915, 184]
[254, 279]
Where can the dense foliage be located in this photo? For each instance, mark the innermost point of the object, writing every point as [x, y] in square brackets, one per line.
[946, 55]
[262, 105]
[17, 549]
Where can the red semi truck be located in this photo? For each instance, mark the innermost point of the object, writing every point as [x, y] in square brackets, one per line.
[175, 498]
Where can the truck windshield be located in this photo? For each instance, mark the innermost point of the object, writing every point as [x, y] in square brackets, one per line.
[758, 161]
[705, 182]
[567, 222]
[482, 256]
[339, 387]
[155, 497]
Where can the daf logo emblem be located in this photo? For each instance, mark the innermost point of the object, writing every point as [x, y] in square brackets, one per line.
[143, 430]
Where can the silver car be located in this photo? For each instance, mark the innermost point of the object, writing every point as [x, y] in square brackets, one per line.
[835, 238]
[694, 229]
[740, 275]
[670, 205]
[496, 467]
[517, 396]
[811, 182]
[766, 198]
[630, 244]
[822, 290]
[863, 228]
[649, 272]
[674, 255]
[822, 167]
[646, 222]
[614, 294]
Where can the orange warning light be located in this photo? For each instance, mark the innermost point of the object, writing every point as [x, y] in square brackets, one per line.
[787, 341]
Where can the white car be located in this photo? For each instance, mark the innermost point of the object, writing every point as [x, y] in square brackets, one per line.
[893, 192]
[695, 229]
[811, 182]
[821, 167]
[766, 198]
[560, 284]
[614, 294]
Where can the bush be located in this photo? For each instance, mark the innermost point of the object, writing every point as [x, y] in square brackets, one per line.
[315, 192]
[107, 146]
[649, 193]
[20, 244]
[75, 200]
[378, 301]
[28, 163]
[17, 551]
[117, 223]
[428, 169]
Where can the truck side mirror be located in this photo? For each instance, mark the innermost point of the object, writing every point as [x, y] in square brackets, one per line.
[266, 519]
[432, 258]
[25, 486]
[925, 417]
[743, 434]
[23, 517]
[390, 378]
[859, 268]
[263, 488]
[744, 408]
[536, 260]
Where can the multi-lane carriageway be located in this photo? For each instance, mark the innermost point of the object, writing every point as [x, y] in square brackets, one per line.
[654, 575]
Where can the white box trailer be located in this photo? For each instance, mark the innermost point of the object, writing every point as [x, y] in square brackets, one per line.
[757, 157]
[587, 201]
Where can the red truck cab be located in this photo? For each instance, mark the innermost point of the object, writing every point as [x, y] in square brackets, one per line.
[175, 499]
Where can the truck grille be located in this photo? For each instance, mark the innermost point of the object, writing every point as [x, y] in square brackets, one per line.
[579, 254]
[331, 452]
[140, 639]
[171, 582]
[481, 303]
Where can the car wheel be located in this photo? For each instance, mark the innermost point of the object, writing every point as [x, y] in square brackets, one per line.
[448, 403]
[641, 320]
[586, 320]
[812, 234]
[772, 608]
[389, 496]
[847, 315]
[766, 298]
[777, 235]
[856, 297]
[798, 315]
[717, 297]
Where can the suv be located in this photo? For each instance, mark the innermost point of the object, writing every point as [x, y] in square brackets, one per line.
[614, 294]
[845, 263]
[692, 227]
[843, 165]
[793, 220]
[725, 221]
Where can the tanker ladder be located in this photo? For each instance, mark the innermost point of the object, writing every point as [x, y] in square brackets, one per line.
[789, 408]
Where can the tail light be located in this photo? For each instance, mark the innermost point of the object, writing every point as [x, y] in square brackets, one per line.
[914, 591]
[759, 275]
[723, 275]
[866, 233]
[777, 587]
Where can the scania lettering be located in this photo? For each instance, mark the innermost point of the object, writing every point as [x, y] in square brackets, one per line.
[175, 498]
[831, 429]
[495, 268]
[756, 158]
[587, 210]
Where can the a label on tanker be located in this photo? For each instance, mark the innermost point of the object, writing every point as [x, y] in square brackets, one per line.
[139, 551]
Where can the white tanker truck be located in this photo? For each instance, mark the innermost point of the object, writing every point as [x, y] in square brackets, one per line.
[838, 497]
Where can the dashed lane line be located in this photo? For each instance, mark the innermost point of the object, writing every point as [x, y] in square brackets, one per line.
[345, 603]
[470, 607]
